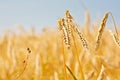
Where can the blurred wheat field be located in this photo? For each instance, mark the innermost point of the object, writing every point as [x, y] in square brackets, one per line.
[65, 54]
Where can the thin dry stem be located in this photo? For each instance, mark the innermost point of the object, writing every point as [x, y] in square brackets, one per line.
[63, 51]
[114, 23]
[24, 62]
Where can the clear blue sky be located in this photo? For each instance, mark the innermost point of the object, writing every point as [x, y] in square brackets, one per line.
[42, 13]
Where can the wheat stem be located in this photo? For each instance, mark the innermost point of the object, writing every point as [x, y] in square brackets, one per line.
[80, 66]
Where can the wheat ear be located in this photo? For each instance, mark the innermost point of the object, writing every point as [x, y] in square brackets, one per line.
[62, 26]
[115, 36]
[101, 29]
[83, 40]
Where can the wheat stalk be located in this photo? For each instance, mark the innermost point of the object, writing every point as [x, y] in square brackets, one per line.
[24, 62]
[69, 21]
[101, 74]
[71, 72]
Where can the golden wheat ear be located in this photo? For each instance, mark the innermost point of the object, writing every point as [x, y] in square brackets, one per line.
[68, 15]
[62, 26]
[69, 20]
[101, 29]
[72, 26]
[115, 38]
[81, 36]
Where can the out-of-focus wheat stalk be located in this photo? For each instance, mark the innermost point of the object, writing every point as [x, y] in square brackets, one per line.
[101, 74]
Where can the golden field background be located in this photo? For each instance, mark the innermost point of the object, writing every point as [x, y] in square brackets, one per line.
[45, 56]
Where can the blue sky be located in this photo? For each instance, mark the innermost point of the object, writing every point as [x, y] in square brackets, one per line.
[45, 13]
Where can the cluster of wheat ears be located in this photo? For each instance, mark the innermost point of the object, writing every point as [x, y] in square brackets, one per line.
[68, 54]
